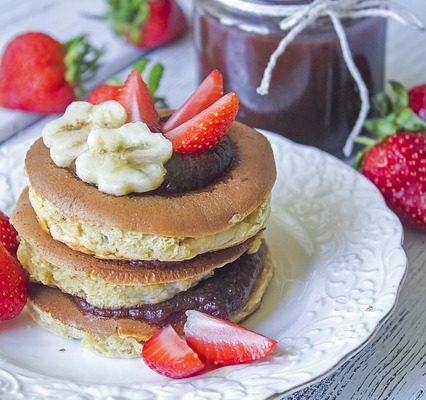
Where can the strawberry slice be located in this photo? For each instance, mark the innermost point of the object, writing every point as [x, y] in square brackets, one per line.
[169, 355]
[204, 131]
[8, 234]
[220, 342]
[210, 90]
[136, 99]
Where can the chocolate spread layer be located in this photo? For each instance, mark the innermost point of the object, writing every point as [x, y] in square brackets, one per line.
[186, 172]
[226, 292]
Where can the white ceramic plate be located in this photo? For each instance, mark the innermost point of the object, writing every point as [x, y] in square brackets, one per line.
[339, 267]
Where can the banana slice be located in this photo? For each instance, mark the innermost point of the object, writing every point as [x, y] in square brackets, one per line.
[124, 160]
[66, 137]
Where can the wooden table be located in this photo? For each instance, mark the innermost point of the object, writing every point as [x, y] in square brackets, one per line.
[393, 365]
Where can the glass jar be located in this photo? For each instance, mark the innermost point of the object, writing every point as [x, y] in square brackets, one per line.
[312, 98]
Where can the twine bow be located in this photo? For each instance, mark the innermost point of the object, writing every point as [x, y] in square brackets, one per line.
[297, 18]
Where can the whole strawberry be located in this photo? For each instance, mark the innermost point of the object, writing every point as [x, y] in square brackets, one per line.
[147, 23]
[13, 286]
[42, 75]
[417, 97]
[395, 158]
[8, 235]
[104, 92]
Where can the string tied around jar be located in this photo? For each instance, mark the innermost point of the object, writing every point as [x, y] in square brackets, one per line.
[298, 17]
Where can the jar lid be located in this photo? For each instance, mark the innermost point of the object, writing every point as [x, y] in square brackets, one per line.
[266, 7]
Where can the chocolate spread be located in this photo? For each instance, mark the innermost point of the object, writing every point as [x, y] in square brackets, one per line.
[226, 292]
[186, 172]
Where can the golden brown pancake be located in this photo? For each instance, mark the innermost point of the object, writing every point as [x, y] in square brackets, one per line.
[206, 211]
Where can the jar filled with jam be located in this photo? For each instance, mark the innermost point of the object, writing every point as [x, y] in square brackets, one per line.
[313, 98]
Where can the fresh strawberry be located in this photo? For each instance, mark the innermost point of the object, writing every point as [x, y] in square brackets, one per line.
[204, 131]
[169, 355]
[210, 90]
[39, 74]
[220, 342]
[395, 158]
[417, 100]
[136, 99]
[103, 93]
[13, 286]
[397, 166]
[147, 23]
[8, 235]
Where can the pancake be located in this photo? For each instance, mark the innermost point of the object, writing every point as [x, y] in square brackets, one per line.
[108, 283]
[168, 228]
[59, 313]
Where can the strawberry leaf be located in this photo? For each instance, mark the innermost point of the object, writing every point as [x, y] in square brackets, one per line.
[82, 61]
[154, 78]
[408, 120]
[400, 100]
[381, 127]
[383, 104]
[141, 65]
[134, 34]
[369, 142]
[128, 16]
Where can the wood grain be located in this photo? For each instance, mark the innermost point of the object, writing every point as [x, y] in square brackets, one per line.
[393, 366]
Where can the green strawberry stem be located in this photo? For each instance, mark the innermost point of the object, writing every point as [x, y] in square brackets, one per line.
[395, 116]
[81, 61]
[127, 17]
[141, 65]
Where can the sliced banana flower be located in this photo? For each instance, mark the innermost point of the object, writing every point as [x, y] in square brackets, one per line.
[124, 160]
[66, 137]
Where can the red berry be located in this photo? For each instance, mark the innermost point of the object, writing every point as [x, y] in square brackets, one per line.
[219, 342]
[34, 72]
[169, 355]
[165, 23]
[136, 99]
[13, 286]
[210, 90]
[146, 23]
[397, 166]
[32, 75]
[417, 100]
[8, 234]
[204, 131]
[104, 93]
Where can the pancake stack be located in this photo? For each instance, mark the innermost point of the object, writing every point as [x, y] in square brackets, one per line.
[112, 271]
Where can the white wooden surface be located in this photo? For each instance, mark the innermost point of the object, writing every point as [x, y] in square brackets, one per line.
[393, 366]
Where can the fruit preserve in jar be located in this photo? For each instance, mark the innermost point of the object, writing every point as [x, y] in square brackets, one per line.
[313, 98]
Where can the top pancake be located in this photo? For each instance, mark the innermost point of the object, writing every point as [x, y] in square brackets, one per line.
[198, 213]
